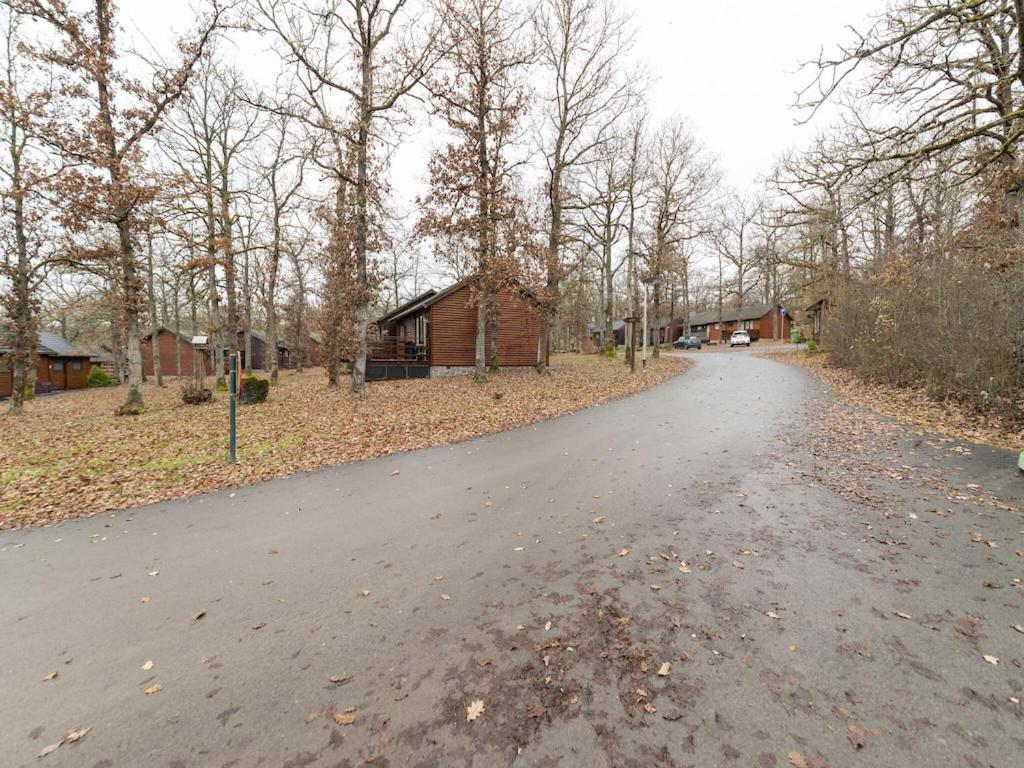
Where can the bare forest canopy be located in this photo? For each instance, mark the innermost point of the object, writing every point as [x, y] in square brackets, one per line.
[168, 188]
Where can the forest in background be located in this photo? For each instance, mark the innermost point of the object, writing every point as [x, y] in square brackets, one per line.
[171, 190]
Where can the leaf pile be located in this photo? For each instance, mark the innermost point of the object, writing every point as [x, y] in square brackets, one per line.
[69, 455]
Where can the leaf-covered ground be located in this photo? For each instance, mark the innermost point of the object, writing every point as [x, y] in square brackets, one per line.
[68, 455]
[913, 406]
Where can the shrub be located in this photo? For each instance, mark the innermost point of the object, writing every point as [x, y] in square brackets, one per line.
[194, 393]
[254, 390]
[99, 378]
[812, 345]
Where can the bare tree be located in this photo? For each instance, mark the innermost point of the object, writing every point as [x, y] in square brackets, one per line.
[478, 91]
[391, 53]
[23, 261]
[581, 47]
[684, 184]
[110, 180]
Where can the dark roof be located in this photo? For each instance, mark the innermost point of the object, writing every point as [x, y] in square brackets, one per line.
[413, 305]
[731, 314]
[47, 343]
[424, 300]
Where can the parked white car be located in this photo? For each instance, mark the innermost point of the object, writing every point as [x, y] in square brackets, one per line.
[739, 338]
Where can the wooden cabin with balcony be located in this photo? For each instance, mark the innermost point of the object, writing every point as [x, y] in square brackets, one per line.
[434, 334]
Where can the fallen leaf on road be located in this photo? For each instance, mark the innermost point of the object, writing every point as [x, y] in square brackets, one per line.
[738, 564]
[154, 573]
[446, 597]
[339, 679]
[655, 587]
[993, 660]
[623, 552]
[261, 625]
[147, 666]
[474, 710]
[856, 735]
[797, 760]
[792, 648]
[156, 688]
[684, 568]
[902, 615]
[518, 549]
[598, 520]
[395, 472]
[649, 708]
[198, 617]
[665, 669]
[48, 749]
[144, 600]
[51, 676]
[345, 718]
[663, 556]
[1019, 628]
[771, 614]
[364, 593]
[547, 626]
[75, 735]
[439, 578]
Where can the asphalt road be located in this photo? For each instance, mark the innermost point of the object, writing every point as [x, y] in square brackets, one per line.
[549, 572]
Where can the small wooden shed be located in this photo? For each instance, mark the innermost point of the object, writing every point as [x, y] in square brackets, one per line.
[178, 355]
[435, 333]
[59, 365]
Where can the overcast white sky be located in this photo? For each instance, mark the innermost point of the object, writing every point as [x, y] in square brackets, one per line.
[730, 66]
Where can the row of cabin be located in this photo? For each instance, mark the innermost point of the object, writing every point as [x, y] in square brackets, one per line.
[59, 365]
[755, 319]
[182, 355]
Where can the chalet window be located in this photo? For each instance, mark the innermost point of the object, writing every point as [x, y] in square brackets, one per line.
[76, 365]
[421, 329]
[57, 365]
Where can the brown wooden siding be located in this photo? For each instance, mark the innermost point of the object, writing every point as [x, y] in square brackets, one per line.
[168, 341]
[453, 330]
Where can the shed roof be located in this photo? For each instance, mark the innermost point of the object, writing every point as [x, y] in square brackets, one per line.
[47, 343]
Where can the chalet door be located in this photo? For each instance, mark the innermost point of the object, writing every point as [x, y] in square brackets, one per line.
[58, 375]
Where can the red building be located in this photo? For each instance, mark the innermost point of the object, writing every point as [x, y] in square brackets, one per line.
[178, 355]
[755, 319]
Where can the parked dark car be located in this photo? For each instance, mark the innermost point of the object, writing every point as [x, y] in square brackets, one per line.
[687, 342]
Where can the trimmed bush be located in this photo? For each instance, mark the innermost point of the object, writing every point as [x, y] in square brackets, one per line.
[254, 390]
[193, 393]
[99, 378]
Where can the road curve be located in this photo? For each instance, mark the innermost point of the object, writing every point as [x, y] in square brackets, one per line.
[548, 572]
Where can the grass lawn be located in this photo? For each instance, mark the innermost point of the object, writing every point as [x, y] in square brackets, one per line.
[68, 455]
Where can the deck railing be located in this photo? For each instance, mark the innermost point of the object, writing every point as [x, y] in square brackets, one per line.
[397, 349]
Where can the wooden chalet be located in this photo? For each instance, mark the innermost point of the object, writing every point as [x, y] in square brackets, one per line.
[59, 365]
[435, 334]
[179, 354]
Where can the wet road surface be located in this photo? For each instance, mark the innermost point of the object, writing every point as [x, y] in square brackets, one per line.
[817, 586]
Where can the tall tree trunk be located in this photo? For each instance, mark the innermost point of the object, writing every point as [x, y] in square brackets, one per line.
[24, 342]
[132, 299]
[129, 277]
[247, 313]
[228, 258]
[154, 321]
[362, 222]
[177, 333]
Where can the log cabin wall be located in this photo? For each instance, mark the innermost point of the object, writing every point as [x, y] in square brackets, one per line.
[453, 330]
